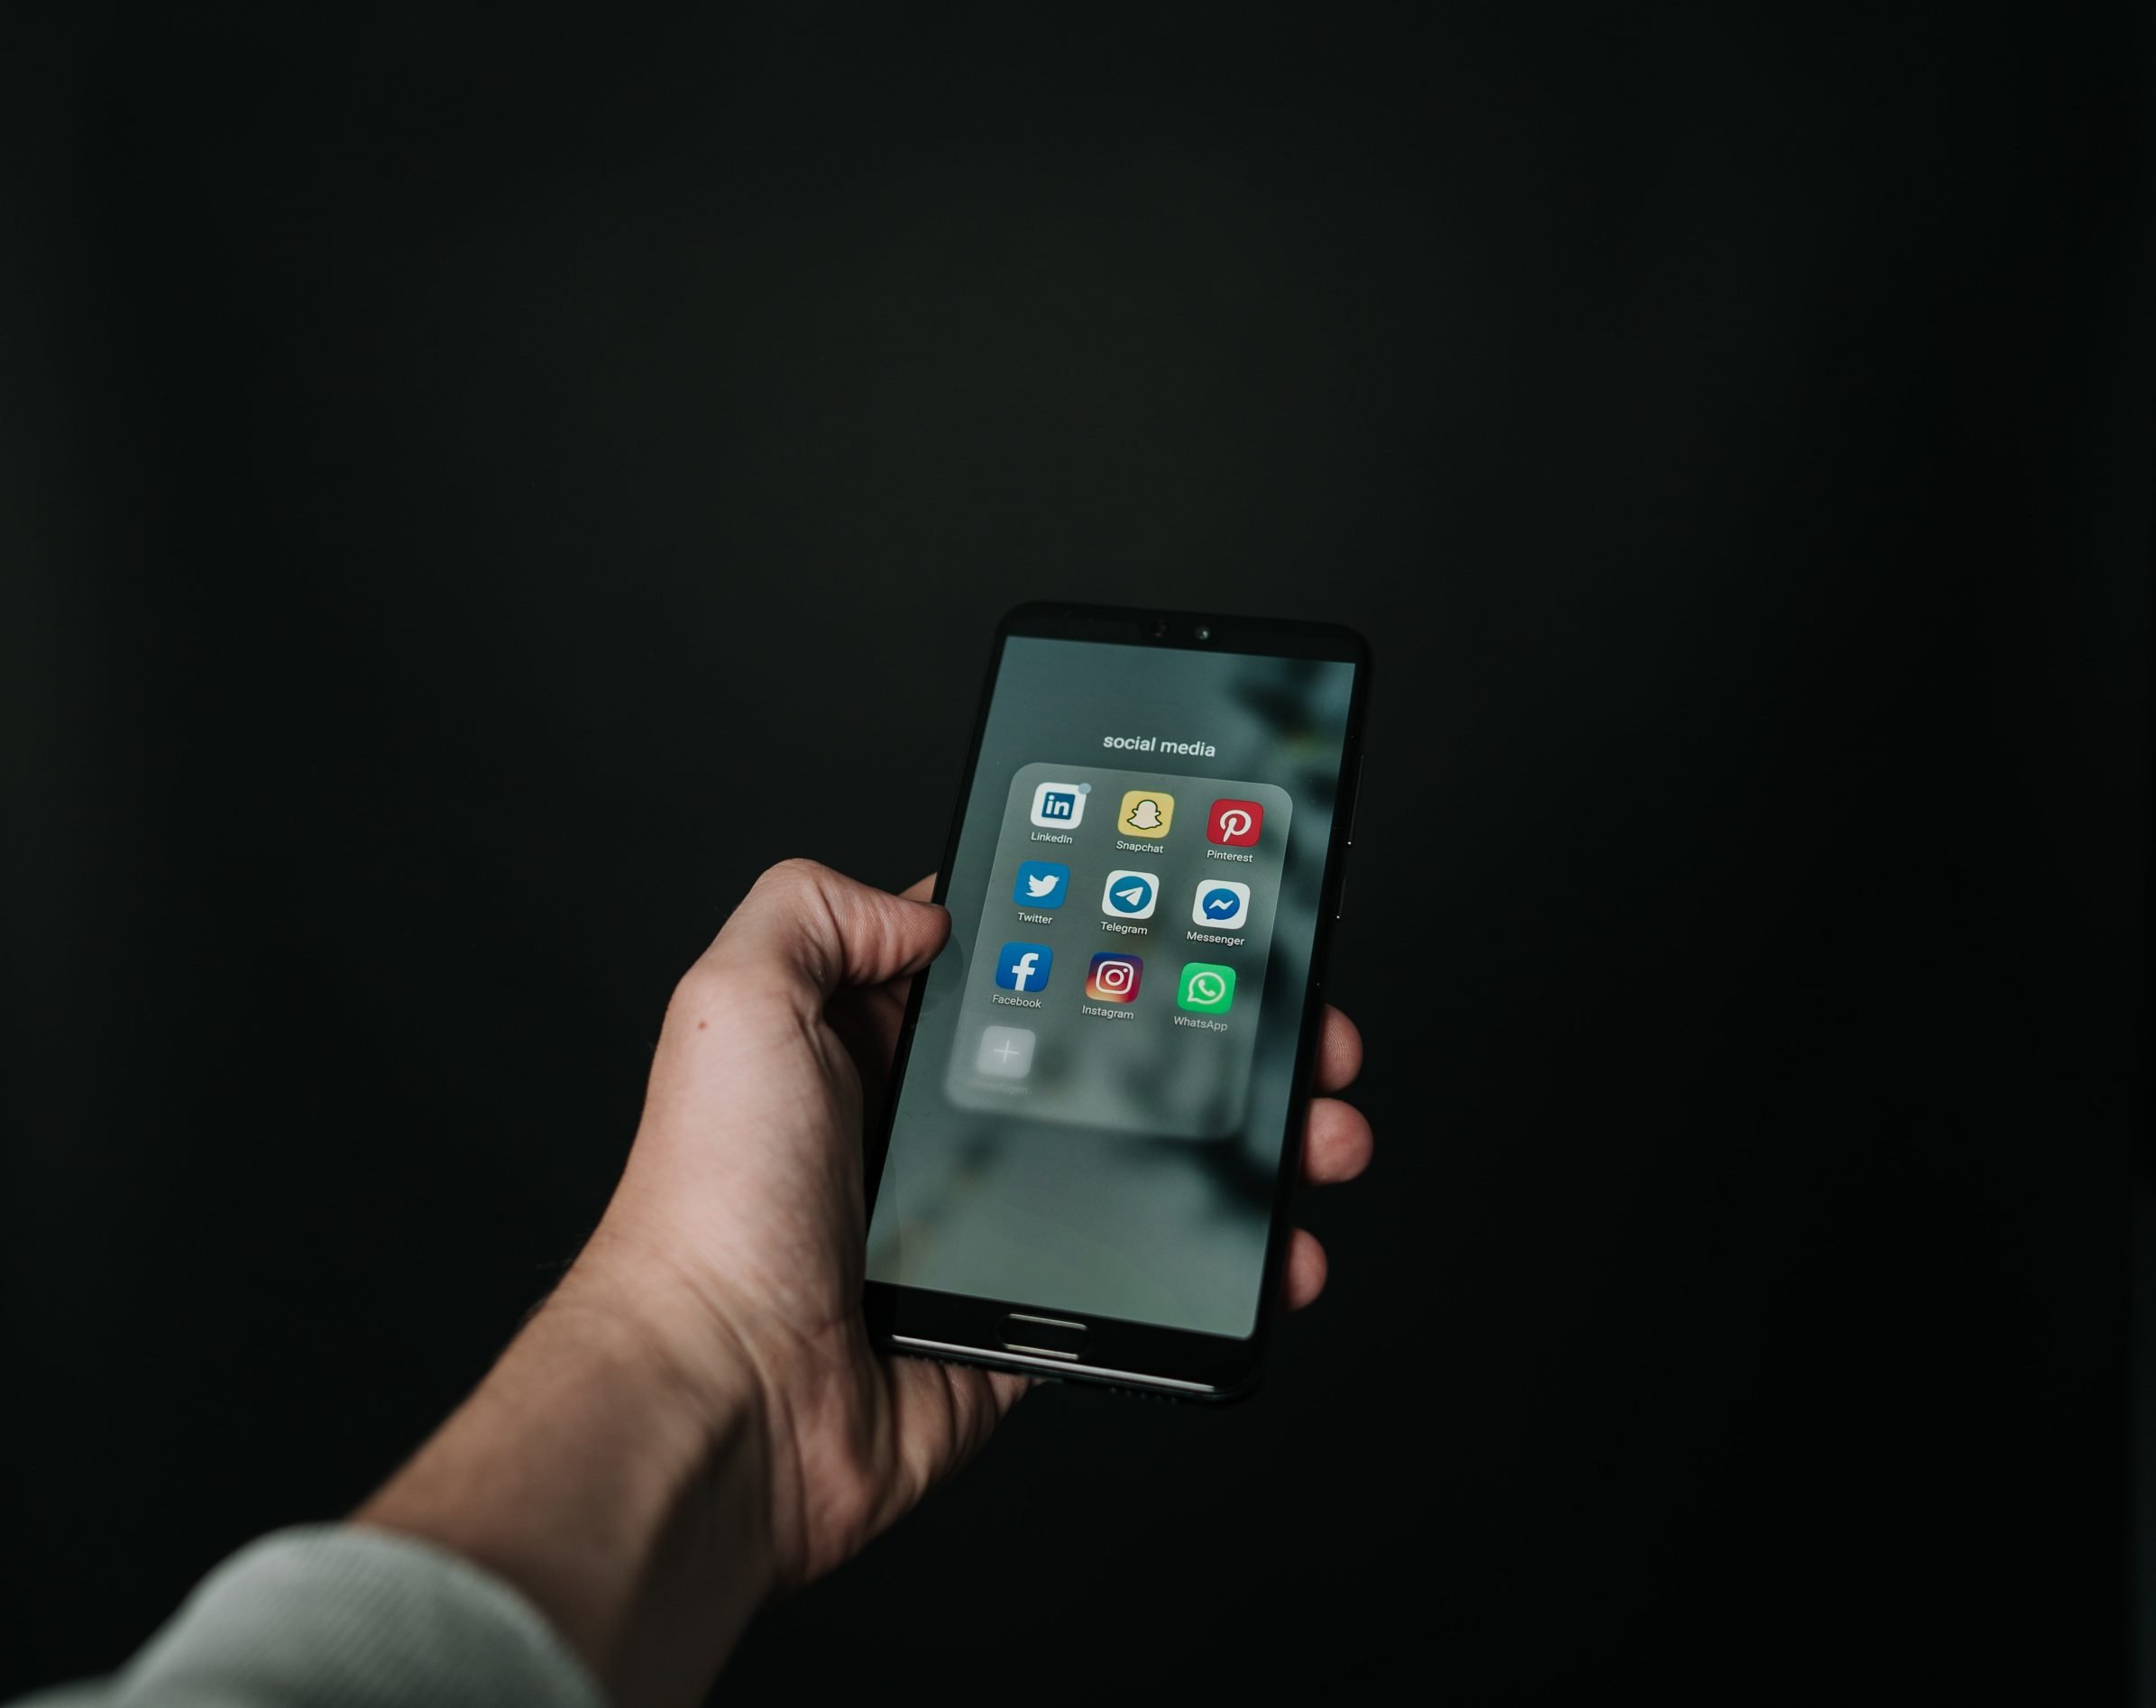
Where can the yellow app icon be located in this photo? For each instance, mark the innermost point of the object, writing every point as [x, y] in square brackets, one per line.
[1146, 812]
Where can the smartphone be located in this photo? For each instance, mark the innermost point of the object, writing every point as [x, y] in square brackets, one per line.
[1094, 1122]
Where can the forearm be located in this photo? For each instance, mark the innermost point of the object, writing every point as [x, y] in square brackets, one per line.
[629, 1501]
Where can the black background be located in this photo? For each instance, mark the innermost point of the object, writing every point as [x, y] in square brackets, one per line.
[477, 490]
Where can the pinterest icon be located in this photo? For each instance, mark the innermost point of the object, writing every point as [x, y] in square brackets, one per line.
[1234, 823]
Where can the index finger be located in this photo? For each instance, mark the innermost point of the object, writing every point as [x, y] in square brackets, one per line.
[1339, 1051]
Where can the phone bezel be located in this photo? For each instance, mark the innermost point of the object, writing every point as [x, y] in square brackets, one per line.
[1183, 1364]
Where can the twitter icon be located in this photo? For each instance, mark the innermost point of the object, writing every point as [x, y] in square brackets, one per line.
[1042, 884]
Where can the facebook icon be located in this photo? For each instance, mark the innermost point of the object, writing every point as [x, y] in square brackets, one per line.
[1024, 966]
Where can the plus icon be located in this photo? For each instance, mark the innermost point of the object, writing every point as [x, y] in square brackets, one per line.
[1006, 1053]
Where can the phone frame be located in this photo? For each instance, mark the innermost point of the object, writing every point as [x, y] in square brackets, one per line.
[1181, 1364]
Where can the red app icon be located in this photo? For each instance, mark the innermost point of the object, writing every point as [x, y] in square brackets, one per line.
[1234, 823]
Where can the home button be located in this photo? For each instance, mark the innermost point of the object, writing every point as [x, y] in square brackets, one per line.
[1043, 1337]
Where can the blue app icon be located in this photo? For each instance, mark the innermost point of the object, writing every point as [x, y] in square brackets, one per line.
[1041, 883]
[1129, 894]
[1024, 966]
[1220, 902]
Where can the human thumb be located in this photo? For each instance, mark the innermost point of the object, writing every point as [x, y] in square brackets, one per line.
[829, 930]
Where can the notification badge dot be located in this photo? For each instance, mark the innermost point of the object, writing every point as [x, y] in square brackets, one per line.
[1234, 823]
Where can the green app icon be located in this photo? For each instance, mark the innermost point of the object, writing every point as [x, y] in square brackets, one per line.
[1206, 989]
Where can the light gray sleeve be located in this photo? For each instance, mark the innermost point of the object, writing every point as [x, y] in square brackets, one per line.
[339, 1616]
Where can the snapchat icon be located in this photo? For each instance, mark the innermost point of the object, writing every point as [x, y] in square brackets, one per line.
[1146, 812]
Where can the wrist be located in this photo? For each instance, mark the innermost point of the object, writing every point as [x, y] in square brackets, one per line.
[744, 1376]
[621, 1486]
[677, 1359]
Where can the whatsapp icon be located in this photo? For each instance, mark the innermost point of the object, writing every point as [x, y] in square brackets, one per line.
[1206, 988]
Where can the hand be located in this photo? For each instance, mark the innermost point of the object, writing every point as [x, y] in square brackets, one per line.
[699, 1405]
[743, 1200]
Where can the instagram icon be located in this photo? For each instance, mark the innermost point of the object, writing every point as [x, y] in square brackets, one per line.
[1113, 977]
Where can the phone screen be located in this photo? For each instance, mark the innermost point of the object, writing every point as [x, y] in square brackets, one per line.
[1100, 1075]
